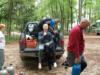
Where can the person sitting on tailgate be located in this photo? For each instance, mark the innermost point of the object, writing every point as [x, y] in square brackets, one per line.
[45, 37]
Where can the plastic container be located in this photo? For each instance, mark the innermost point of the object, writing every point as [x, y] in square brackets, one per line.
[10, 69]
[76, 69]
[31, 43]
[4, 71]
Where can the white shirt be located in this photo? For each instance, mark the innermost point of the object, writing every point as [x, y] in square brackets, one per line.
[2, 40]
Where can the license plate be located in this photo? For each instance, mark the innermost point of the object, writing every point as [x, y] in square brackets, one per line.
[41, 46]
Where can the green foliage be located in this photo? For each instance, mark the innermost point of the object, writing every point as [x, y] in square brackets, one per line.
[15, 13]
[57, 9]
[92, 9]
[12, 38]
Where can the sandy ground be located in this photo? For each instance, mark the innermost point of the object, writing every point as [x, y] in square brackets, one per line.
[92, 52]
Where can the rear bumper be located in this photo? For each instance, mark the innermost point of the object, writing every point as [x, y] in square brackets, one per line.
[34, 53]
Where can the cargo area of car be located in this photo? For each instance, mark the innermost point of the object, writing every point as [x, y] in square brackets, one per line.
[30, 47]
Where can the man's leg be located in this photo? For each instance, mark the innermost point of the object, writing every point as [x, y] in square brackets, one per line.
[40, 59]
[0, 62]
[70, 59]
[49, 61]
[1, 58]
[48, 58]
[52, 51]
[83, 64]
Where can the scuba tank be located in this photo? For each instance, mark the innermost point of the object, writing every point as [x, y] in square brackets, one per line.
[4, 71]
[10, 69]
[76, 69]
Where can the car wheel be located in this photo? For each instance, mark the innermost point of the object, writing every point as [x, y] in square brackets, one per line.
[58, 56]
[98, 33]
[23, 58]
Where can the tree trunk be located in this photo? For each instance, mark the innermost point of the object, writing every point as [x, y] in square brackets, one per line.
[80, 10]
[71, 12]
[10, 5]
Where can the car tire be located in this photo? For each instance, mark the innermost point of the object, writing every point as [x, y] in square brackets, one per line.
[23, 58]
[58, 56]
[98, 33]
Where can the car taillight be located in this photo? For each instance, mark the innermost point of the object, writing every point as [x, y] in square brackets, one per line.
[22, 42]
[61, 42]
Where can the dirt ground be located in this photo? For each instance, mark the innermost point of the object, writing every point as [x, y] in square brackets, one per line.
[92, 52]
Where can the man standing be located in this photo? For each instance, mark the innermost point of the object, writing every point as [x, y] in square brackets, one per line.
[76, 45]
[2, 45]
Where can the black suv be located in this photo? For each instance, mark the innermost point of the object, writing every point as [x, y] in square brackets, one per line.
[33, 52]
